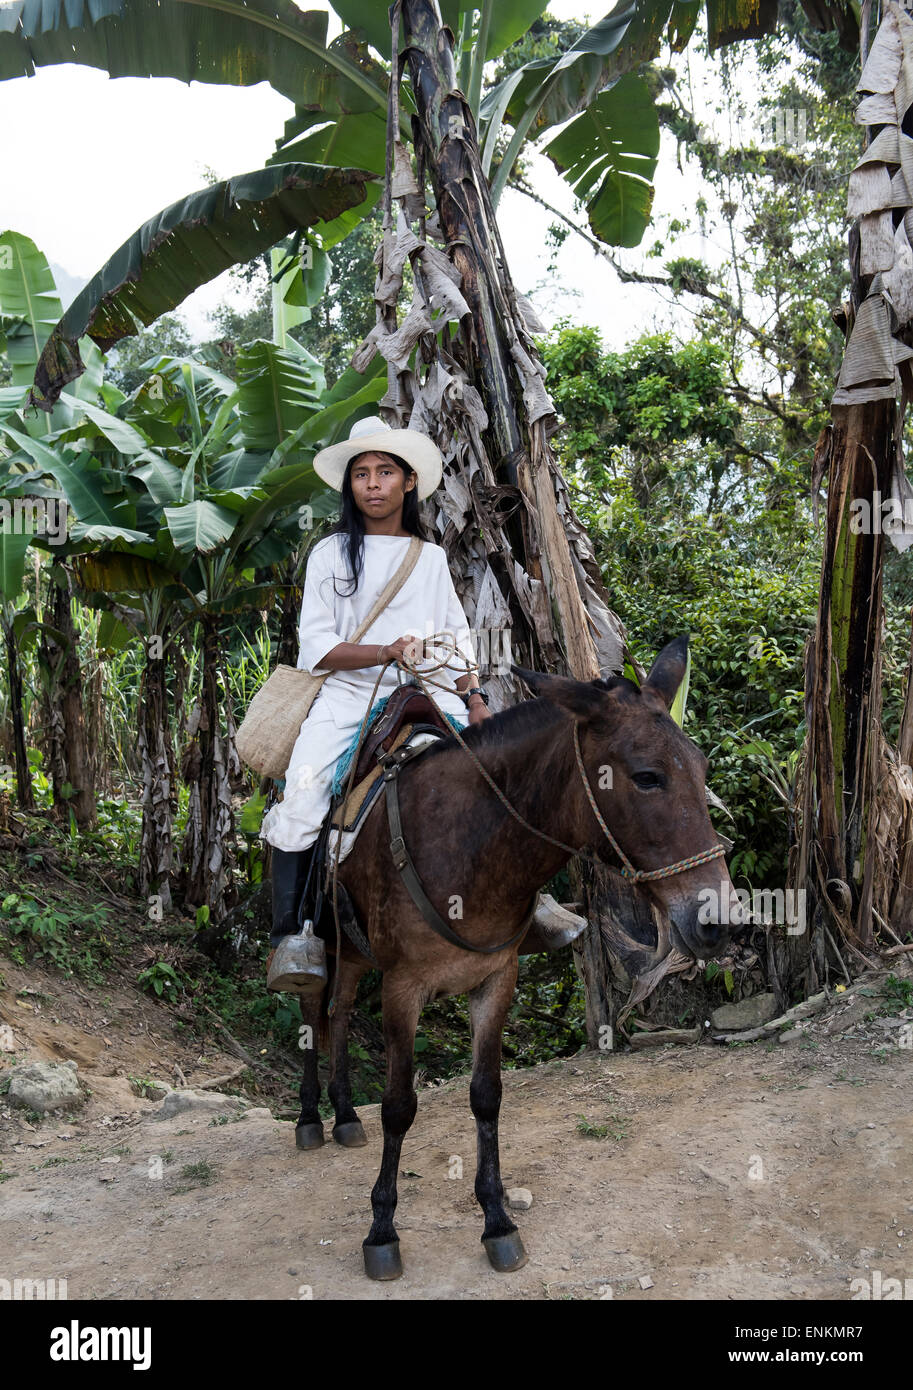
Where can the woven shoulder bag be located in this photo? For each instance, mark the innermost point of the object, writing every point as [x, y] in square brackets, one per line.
[271, 726]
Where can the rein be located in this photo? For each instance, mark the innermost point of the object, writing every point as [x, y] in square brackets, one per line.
[628, 871]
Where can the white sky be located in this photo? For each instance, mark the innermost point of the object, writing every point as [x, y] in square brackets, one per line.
[136, 145]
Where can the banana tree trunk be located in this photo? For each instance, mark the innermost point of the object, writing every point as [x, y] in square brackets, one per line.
[852, 857]
[522, 561]
[71, 760]
[840, 856]
[901, 905]
[157, 764]
[287, 648]
[25, 796]
[207, 850]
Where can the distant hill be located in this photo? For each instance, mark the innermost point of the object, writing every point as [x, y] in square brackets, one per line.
[68, 286]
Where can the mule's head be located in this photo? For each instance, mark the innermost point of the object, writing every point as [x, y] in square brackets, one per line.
[647, 779]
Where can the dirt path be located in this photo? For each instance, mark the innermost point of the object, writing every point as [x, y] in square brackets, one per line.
[768, 1171]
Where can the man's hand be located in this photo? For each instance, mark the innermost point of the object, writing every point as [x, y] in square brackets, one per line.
[478, 710]
[409, 647]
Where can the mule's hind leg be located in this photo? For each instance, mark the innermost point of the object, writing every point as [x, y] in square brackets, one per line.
[488, 1005]
[309, 1129]
[347, 1129]
[401, 1008]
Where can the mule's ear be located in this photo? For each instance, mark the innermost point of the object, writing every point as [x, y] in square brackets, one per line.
[668, 670]
[582, 698]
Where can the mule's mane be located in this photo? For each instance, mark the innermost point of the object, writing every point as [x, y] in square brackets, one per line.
[503, 729]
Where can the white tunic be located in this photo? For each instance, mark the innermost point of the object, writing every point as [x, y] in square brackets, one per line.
[427, 603]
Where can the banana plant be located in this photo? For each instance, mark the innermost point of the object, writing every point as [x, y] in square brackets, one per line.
[179, 501]
[13, 548]
[188, 244]
[339, 90]
[29, 310]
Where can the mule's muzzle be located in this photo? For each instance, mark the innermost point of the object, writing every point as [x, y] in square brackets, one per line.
[704, 922]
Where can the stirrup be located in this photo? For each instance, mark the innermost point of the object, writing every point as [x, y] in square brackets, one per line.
[558, 926]
[298, 964]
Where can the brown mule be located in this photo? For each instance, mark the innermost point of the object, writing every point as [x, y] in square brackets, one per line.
[482, 869]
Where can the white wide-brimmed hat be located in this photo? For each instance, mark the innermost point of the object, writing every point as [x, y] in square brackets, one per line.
[372, 434]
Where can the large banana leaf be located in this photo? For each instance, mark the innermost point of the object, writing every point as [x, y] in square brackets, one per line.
[101, 514]
[336, 416]
[608, 154]
[238, 469]
[547, 91]
[28, 297]
[234, 42]
[358, 139]
[277, 392]
[116, 572]
[161, 479]
[200, 525]
[372, 18]
[186, 245]
[13, 546]
[95, 421]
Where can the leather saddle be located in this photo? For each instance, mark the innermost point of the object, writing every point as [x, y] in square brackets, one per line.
[408, 711]
[408, 704]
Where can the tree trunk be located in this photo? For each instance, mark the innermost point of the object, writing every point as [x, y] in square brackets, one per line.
[852, 855]
[840, 856]
[287, 647]
[71, 762]
[25, 796]
[207, 852]
[521, 558]
[157, 764]
[901, 904]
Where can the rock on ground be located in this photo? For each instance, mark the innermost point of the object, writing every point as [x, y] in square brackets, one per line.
[179, 1102]
[44, 1086]
[752, 1012]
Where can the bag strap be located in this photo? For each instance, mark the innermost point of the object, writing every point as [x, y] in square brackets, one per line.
[410, 559]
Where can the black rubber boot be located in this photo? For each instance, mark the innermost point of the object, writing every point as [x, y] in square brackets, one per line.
[290, 871]
[297, 963]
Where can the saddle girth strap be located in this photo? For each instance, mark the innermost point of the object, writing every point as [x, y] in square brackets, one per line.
[391, 764]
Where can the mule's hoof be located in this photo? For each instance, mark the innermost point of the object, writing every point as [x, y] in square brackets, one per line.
[505, 1253]
[350, 1135]
[309, 1136]
[383, 1261]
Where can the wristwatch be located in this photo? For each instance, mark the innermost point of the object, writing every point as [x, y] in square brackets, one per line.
[474, 690]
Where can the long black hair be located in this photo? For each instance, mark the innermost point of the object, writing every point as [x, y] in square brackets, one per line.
[351, 523]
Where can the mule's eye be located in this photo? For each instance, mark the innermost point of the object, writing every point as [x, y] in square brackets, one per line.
[646, 780]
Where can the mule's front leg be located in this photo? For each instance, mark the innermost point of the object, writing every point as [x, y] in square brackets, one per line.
[400, 1010]
[309, 1129]
[347, 1129]
[488, 1005]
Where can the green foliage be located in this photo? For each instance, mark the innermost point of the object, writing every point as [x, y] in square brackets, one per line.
[160, 979]
[77, 941]
[648, 399]
[128, 363]
[649, 453]
[898, 991]
[714, 970]
[202, 1174]
[146, 1087]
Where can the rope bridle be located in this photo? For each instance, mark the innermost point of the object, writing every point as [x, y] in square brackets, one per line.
[423, 679]
[628, 870]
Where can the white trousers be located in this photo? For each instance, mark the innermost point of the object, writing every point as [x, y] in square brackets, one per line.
[294, 822]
